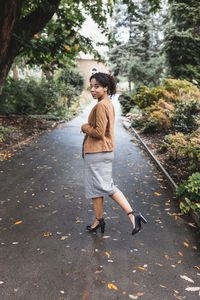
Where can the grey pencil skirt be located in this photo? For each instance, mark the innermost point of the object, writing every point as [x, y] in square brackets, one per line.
[98, 174]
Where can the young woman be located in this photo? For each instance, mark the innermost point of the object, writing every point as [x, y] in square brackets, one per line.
[98, 154]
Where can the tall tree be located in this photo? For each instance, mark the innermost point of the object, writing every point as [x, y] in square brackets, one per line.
[133, 54]
[22, 27]
[182, 40]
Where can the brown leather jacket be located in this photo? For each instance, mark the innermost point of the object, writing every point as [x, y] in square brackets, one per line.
[100, 128]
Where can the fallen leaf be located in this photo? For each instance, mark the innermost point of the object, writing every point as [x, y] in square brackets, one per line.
[139, 294]
[187, 278]
[180, 253]
[163, 286]
[197, 267]
[179, 262]
[107, 254]
[157, 194]
[166, 256]
[160, 265]
[186, 244]
[133, 297]
[85, 295]
[193, 289]
[47, 234]
[64, 237]
[195, 247]
[141, 268]
[112, 286]
[18, 222]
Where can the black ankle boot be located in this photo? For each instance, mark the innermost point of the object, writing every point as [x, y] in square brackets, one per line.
[138, 218]
[100, 225]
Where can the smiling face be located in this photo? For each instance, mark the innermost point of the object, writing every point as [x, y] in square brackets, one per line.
[97, 90]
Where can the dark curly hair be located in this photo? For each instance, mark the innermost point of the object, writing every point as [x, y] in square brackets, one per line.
[105, 80]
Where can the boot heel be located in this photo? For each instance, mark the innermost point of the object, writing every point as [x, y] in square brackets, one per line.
[143, 219]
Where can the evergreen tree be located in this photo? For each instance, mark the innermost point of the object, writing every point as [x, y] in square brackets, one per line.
[137, 57]
[182, 40]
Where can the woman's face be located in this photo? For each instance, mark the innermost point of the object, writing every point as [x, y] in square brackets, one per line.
[97, 90]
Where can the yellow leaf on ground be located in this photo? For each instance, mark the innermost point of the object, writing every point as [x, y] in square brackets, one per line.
[179, 262]
[195, 247]
[186, 244]
[139, 294]
[168, 204]
[47, 234]
[85, 295]
[141, 268]
[166, 256]
[163, 286]
[157, 194]
[107, 254]
[197, 267]
[180, 253]
[112, 286]
[19, 222]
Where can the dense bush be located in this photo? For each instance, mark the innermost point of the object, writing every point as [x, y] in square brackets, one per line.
[46, 96]
[189, 193]
[146, 97]
[5, 133]
[186, 147]
[184, 117]
[126, 102]
[172, 91]
[155, 118]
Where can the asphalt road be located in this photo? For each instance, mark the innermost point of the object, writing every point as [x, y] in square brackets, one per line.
[46, 253]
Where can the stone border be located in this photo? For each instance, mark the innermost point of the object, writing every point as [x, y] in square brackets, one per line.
[174, 186]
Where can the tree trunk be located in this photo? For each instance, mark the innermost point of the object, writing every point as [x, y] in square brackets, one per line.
[11, 26]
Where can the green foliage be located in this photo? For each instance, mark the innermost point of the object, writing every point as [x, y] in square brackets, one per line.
[174, 106]
[46, 96]
[5, 133]
[186, 147]
[28, 96]
[136, 57]
[189, 193]
[184, 117]
[126, 102]
[146, 97]
[182, 40]
[58, 42]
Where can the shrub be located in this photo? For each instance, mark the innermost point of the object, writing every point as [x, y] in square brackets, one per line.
[28, 96]
[146, 97]
[46, 96]
[126, 102]
[5, 133]
[187, 147]
[176, 88]
[189, 192]
[184, 117]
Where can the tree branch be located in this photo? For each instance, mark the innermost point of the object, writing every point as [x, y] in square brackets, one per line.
[36, 21]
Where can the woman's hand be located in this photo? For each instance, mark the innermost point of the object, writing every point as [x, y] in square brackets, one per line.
[83, 127]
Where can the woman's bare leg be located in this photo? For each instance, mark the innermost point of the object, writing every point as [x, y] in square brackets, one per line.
[121, 200]
[98, 210]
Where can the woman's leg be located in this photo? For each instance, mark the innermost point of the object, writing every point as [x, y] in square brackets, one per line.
[121, 200]
[98, 210]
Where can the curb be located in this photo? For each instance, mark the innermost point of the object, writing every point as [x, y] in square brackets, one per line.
[174, 186]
